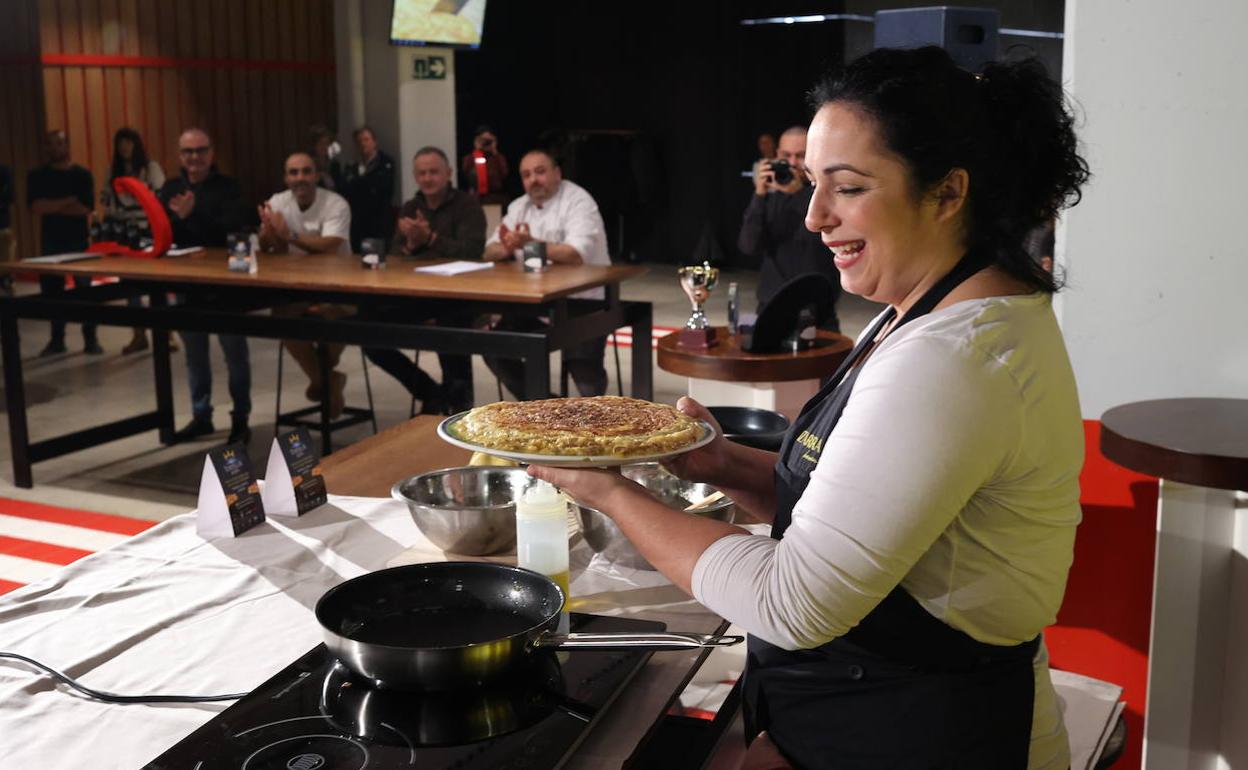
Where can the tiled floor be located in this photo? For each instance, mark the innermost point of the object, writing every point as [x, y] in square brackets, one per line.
[139, 477]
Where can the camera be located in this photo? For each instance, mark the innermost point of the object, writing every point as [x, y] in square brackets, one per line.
[782, 171]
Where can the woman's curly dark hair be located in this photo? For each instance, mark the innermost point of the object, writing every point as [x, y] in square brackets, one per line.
[1008, 127]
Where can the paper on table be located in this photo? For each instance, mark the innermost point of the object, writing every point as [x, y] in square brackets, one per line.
[182, 252]
[1089, 708]
[454, 268]
[58, 259]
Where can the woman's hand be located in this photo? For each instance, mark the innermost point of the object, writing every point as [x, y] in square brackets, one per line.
[591, 487]
[705, 464]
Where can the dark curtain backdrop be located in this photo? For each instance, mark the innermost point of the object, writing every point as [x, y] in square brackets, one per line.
[659, 105]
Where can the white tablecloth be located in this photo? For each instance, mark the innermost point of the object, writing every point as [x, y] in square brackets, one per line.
[170, 612]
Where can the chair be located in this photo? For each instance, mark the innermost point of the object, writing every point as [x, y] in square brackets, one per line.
[416, 362]
[564, 374]
[351, 415]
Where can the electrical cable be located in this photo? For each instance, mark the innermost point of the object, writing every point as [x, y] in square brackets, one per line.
[109, 697]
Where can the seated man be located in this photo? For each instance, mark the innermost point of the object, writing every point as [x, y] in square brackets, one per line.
[308, 219]
[566, 218]
[438, 222]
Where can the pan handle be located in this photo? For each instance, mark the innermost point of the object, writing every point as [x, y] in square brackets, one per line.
[672, 640]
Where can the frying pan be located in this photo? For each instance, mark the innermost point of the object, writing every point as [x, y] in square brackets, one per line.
[751, 426]
[444, 625]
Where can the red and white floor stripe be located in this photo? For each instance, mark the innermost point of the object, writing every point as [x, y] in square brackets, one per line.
[624, 335]
[36, 539]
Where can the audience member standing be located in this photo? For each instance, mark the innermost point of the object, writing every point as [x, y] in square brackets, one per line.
[774, 226]
[62, 193]
[484, 170]
[564, 216]
[130, 159]
[368, 187]
[305, 218]
[205, 206]
[7, 242]
[438, 222]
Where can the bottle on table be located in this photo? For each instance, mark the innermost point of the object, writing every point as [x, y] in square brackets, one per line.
[253, 249]
[542, 536]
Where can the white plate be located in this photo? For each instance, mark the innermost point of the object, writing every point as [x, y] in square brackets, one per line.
[564, 461]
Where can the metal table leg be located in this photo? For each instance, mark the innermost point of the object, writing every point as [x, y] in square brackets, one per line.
[536, 372]
[322, 363]
[163, 374]
[15, 400]
[641, 318]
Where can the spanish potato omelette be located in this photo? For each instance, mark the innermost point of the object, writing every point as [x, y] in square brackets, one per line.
[601, 426]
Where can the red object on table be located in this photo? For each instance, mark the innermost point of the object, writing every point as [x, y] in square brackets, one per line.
[157, 219]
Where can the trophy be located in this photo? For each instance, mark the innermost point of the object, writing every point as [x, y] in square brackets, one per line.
[698, 281]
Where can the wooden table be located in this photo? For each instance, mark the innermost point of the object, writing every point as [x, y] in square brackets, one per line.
[781, 382]
[1197, 670]
[213, 299]
[505, 282]
[369, 468]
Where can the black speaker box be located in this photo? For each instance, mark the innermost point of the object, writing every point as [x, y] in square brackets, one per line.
[968, 34]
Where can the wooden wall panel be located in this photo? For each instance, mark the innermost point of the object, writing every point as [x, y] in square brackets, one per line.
[128, 18]
[21, 108]
[254, 74]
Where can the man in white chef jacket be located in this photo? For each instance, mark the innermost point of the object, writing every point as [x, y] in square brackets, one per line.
[565, 217]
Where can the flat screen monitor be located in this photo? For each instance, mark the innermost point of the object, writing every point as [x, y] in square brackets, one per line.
[437, 22]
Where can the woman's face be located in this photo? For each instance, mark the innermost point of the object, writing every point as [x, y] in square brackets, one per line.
[125, 148]
[884, 241]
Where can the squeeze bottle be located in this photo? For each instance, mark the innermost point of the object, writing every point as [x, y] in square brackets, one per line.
[542, 534]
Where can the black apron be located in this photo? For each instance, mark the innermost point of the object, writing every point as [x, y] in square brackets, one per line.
[902, 689]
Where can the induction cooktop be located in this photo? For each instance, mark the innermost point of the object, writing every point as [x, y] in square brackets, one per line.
[316, 715]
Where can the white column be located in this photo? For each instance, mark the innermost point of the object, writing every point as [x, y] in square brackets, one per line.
[1155, 252]
[787, 398]
[426, 106]
[378, 85]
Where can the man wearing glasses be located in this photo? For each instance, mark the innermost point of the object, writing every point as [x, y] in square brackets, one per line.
[204, 207]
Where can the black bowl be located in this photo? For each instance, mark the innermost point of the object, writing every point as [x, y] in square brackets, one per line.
[750, 426]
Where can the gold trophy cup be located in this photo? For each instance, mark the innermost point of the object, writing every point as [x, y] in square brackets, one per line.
[697, 282]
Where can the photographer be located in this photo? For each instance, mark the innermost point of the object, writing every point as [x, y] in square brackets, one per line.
[483, 171]
[773, 227]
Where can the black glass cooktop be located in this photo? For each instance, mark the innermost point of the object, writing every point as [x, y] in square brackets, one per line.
[314, 715]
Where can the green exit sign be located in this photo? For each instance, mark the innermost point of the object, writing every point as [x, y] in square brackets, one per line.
[429, 68]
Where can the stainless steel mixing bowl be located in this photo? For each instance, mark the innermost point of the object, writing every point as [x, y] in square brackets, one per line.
[602, 534]
[469, 510]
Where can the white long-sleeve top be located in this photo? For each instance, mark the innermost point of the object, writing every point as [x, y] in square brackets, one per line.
[953, 471]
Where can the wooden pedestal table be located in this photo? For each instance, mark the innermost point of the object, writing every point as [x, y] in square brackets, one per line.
[1197, 711]
[726, 375]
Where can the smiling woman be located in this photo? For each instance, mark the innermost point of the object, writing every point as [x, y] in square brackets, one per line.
[993, 154]
[924, 503]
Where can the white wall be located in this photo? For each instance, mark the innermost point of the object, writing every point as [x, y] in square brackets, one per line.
[1157, 252]
[349, 67]
[375, 86]
[426, 111]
